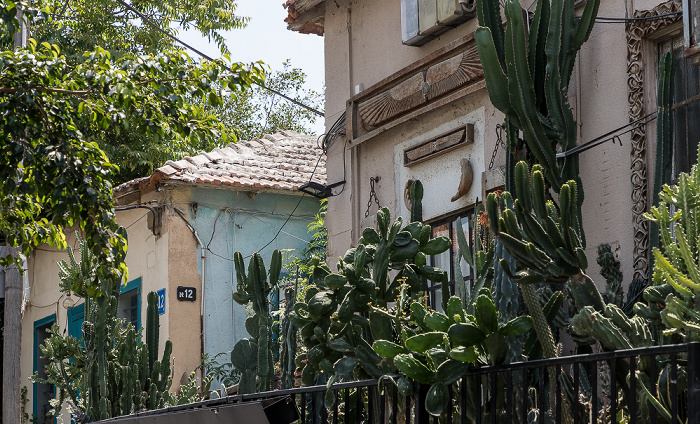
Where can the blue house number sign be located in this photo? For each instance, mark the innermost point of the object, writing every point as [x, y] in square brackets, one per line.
[161, 301]
[186, 294]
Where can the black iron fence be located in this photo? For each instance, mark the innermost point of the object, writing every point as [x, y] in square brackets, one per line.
[648, 385]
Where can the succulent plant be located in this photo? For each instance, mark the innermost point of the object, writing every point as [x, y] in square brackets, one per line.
[255, 289]
[344, 312]
[610, 270]
[440, 347]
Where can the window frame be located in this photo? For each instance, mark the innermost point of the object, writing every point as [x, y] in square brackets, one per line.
[451, 218]
[38, 325]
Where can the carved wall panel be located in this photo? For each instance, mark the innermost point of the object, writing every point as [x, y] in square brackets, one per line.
[401, 98]
[453, 73]
[636, 32]
[441, 77]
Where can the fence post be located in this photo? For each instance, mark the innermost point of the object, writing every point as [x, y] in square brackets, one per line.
[694, 382]
[420, 392]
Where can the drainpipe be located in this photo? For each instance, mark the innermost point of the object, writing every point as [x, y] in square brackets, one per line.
[204, 279]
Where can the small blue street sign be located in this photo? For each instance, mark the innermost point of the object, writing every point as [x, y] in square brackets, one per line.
[161, 301]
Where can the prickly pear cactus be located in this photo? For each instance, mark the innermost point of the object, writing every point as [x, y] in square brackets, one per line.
[437, 348]
[345, 311]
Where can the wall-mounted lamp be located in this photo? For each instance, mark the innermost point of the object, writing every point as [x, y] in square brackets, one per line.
[319, 190]
[68, 302]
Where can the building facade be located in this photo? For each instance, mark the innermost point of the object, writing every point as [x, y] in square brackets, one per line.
[407, 91]
[184, 224]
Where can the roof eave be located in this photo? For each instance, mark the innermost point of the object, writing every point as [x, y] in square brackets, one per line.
[306, 16]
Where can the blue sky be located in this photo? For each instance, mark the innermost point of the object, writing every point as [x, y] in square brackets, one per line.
[266, 38]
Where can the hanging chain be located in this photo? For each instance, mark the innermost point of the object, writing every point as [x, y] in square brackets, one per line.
[499, 143]
[372, 195]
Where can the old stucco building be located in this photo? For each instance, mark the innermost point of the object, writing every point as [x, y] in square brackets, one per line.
[242, 197]
[413, 107]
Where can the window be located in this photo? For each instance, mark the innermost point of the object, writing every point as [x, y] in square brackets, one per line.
[446, 261]
[43, 392]
[128, 308]
[423, 20]
[129, 305]
[686, 106]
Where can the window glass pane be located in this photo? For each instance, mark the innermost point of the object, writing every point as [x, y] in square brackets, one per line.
[127, 307]
[442, 260]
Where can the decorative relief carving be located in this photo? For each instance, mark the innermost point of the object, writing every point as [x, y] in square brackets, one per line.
[636, 32]
[453, 73]
[401, 98]
[418, 87]
[438, 145]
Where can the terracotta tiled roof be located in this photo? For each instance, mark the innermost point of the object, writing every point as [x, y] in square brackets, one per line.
[312, 24]
[282, 161]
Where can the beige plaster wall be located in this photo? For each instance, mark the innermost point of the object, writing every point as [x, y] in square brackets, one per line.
[166, 260]
[363, 46]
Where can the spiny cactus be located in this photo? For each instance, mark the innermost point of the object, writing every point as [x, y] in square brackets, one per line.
[113, 374]
[440, 347]
[480, 259]
[664, 143]
[340, 315]
[527, 75]
[289, 341]
[610, 270]
[254, 288]
[676, 269]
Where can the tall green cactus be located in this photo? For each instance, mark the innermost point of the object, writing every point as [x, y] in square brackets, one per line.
[664, 143]
[254, 288]
[289, 341]
[610, 270]
[113, 374]
[416, 195]
[528, 74]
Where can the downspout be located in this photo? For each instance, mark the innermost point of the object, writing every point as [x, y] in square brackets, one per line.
[204, 279]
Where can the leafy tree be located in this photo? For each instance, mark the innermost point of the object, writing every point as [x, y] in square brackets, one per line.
[55, 175]
[255, 112]
[79, 26]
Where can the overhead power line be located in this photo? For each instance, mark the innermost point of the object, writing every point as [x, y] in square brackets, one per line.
[150, 22]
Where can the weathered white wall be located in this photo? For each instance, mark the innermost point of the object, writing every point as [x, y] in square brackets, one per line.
[363, 46]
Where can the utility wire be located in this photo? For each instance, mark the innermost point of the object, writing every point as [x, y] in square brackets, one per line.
[606, 20]
[609, 136]
[150, 22]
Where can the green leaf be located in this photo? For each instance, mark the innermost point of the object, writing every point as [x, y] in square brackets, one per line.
[516, 326]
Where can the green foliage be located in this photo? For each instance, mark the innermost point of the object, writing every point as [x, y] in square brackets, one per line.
[253, 357]
[676, 269]
[253, 113]
[343, 313]
[55, 174]
[436, 348]
[108, 372]
[77, 27]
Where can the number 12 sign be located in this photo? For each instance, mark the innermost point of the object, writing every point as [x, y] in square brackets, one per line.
[186, 294]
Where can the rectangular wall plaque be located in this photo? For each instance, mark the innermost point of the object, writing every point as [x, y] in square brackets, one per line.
[439, 145]
[161, 301]
[186, 294]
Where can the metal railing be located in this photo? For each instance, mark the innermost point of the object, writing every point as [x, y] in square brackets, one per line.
[571, 390]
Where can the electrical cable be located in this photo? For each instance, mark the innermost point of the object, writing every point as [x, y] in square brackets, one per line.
[604, 20]
[209, 58]
[610, 135]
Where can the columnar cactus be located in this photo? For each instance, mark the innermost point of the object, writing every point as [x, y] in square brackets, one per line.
[610, 270]
[254, 288]
[528, 73]
[664, 142]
